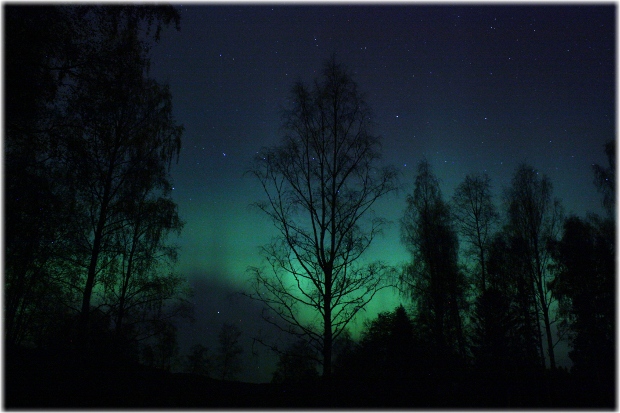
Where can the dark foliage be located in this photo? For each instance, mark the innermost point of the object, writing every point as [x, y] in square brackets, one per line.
[508, 277]
[585, 283]
[89, 143]
[533, 220]
[605, 178]
[297, 364]
[90, 296]
[494, 327]
[386, 351]
[433, 280]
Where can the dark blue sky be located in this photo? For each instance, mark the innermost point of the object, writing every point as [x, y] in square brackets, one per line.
[472, 89]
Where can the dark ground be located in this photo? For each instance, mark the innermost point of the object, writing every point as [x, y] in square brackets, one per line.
[34, 379]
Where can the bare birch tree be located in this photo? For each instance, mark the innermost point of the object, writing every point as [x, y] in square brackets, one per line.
[321, 183]
[475, 214]
[535, 218]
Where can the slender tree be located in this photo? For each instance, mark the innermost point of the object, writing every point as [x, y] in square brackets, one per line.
[475, 215]
[605, 178]
[166, 347]
[199, 360]
[321, 183]
[433, 280]
[534, 218]
[229, 352]
[141, 272]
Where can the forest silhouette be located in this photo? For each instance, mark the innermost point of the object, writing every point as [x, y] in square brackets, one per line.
[92, 301]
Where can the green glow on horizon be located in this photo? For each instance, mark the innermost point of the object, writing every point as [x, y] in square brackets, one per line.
[227, 234]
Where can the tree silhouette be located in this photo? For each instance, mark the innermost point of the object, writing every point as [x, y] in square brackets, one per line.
[89, 149]
[534, 218]
[138, 279]
[166, 347]
[493, 327]
[199, 361]
[433, 280]
[228, 362]
[508, 276]
[605, 178]
[475, 215]
[37, 206]
[584, 282]
[387, 346]
[321, 182]
[297, 364]
[123, 136]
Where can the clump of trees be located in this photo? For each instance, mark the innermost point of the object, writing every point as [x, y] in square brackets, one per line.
[497, 307]
[434, 280]
[226, 363]
[389, 350]
[90, 139]
[297, 364]
[584, 284]
[490, 312]
[493, 289]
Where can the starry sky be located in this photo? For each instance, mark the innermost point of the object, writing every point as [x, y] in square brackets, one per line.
[471, 88]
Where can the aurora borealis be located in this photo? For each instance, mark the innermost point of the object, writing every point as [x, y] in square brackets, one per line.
[471, 88]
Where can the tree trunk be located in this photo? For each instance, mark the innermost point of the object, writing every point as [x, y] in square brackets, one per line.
[549, 338]
[483, 280]
[545, 311]
[483, 268]
[125, 285]
[546, 321]
[327, 331]
[92, 271]
[459, 326]
[121, 304]
[543, 361]
[94, 256]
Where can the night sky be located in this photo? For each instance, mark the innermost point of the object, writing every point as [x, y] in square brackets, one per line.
[470, 88]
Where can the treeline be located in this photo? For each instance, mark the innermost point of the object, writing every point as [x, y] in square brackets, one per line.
[89, 141]
[492, 289]
[492, 292]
